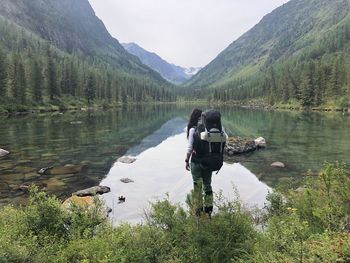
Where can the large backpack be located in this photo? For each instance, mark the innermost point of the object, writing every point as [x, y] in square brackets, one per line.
[209, 141]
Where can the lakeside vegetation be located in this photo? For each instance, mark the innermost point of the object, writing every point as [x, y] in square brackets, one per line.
[310, 224]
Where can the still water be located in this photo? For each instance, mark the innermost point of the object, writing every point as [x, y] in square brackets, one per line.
[155, 135]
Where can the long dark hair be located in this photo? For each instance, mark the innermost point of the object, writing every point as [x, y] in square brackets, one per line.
[195, 115]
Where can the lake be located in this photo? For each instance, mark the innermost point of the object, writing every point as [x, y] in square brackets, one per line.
[155, 136]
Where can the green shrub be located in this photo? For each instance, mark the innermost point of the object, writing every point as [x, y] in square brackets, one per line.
[227, 235]
[44, 216]
[306, 225]
[311, 225]
[324, 203]
[16, 241]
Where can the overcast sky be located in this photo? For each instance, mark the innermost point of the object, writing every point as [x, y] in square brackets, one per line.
[188, 33]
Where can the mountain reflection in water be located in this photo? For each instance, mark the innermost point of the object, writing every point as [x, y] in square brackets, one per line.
[301, 140]
[160, 171]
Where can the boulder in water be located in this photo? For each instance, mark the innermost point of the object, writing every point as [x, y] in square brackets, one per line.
[3, 152]
[126, 180]
[278, 165]
[93, 191]
[126, 159]
[260, 142]
[25, 187]
[239, 146]
[45, 170]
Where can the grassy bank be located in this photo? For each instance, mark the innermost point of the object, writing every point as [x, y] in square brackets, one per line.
[70, 103]
[294, 105]
[65, 104]
[58, 104]
[308, 225]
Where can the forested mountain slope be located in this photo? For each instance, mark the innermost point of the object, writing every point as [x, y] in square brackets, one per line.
[52, 49]
[71, 25]
[299, 51]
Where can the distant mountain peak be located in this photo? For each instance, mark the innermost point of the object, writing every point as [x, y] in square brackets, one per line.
[192, 71]
[171, 72]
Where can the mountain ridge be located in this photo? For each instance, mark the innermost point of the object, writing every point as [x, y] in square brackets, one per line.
[73, 26]
[58, 55]
[171, 72]
[258, 41]
[291, 53]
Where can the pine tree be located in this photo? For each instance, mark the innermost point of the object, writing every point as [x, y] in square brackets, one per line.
[90, 88]
[308, 95]
[65, 78]
[36, 80]
[73, 87]
[51, 77]
[18, 80]
[273, 86]
[124, 96]
[3, 75]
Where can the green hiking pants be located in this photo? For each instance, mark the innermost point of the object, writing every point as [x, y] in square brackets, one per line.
[202, 185]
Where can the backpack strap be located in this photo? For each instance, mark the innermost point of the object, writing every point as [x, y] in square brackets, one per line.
[208, 138]
[222, 143]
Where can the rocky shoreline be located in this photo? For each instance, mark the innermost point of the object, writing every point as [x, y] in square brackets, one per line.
[292, 108]
[242, 105]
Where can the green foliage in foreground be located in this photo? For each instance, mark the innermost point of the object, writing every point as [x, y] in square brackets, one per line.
[311, 225]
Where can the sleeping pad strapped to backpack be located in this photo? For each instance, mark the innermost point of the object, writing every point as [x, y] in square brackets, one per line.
[209, 141]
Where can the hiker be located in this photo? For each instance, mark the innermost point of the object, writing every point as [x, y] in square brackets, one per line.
[206, 141]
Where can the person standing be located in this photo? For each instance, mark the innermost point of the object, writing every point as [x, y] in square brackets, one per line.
[201, 176]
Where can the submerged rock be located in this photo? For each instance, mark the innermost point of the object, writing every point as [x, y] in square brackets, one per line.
[3, 152]
[93, 191]
[126, 180]
[67, 169]
[31, 175]
[54, 184]
[126, 159]
[4, 186]
[278, 165]
[26, 186]
[76, 122]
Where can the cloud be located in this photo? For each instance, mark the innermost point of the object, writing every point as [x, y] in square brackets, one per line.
[184, 32]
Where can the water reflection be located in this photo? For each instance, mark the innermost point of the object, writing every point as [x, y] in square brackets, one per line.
[302, 141]
[92, 139]
[96, 139]
[160, 171]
